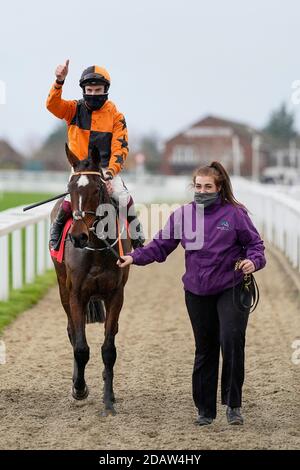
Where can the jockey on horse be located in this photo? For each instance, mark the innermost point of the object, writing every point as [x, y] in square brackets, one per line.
[94, 121]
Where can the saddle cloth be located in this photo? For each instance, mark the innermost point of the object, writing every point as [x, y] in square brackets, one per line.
[59, 254]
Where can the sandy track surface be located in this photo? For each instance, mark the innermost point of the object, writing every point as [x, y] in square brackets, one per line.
[152, 374]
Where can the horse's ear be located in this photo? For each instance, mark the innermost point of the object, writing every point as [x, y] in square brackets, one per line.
[71, 156]
[95, 156]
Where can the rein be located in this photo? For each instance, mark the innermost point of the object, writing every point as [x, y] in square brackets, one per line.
[79, 173]
[248, 293]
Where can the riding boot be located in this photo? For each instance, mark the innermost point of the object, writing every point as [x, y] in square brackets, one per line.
[135, 227]
[63, 214]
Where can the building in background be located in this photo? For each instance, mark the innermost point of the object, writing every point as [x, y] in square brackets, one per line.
[240, 148]
[9, 157]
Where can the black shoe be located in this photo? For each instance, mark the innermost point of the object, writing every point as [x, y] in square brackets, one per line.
[234, 416]
[57, 228]
[203, 420]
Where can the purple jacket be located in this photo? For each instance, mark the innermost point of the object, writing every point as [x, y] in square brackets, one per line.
[229, 234]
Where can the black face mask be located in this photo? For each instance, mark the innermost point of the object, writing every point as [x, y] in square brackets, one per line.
[206, 198]
[95, 102]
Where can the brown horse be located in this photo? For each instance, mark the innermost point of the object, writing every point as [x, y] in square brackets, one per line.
[89, 274]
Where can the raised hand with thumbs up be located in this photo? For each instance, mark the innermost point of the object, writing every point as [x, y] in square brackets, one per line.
[62, 71]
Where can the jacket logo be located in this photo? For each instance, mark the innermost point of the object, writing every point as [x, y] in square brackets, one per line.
[223, 225]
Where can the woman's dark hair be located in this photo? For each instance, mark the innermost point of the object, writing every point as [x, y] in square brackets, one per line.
[222, 181]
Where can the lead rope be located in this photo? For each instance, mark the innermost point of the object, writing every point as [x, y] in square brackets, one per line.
[248, 288]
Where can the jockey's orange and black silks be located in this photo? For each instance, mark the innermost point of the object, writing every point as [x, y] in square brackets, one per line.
[104, 128]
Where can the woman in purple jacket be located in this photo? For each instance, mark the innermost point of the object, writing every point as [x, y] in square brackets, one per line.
[215, 231]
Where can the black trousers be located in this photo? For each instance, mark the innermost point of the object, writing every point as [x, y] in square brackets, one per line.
[217, 323]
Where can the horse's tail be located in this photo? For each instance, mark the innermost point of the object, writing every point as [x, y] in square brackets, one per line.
[95, 311]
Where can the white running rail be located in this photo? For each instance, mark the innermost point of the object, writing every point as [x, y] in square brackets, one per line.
[36, 257]
[276, 215]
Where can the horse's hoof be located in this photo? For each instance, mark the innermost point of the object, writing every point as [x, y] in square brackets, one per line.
[80, 394]
[109, 410]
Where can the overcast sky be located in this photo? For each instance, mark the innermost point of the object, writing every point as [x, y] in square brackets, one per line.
[171, 61]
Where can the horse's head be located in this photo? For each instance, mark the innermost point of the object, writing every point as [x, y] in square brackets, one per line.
[87, 190]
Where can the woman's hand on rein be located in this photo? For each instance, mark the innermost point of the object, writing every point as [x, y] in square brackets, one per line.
[127, 261]
[247, 266]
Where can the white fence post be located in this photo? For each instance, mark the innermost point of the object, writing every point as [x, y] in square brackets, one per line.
[4, 274]
[17, 264]
[29, 254]
[49, 263]
[41, 251]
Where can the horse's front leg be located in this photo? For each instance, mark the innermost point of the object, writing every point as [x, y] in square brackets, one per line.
[64, 295]
[80, 347]
[109, 353]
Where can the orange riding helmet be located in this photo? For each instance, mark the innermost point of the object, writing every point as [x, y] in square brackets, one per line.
[94, 75]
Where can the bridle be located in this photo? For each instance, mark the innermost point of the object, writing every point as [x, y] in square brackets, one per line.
[81, 214]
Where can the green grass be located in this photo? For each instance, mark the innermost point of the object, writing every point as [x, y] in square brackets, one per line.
[8, 199]
[30, 294]
[24, 298]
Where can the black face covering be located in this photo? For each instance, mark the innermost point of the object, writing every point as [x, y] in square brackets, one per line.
[95, 102]
[205, 198]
